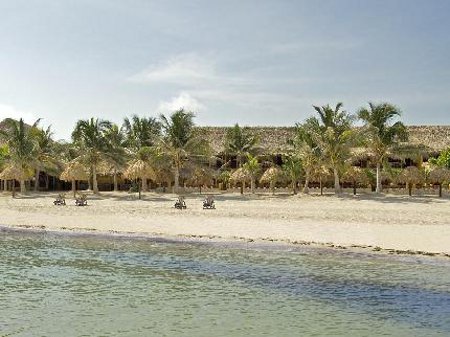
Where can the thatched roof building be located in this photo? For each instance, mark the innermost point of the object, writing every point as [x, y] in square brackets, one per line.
[274, 140]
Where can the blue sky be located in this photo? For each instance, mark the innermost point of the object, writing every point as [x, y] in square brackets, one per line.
[252, 62]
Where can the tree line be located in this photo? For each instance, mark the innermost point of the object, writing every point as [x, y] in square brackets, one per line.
[326, 146]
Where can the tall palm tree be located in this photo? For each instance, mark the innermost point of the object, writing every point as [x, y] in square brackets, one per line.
[141, 131]
[180, 142]
[22, 150]
[116, 154]
[307, 147]
[88, 136]
[381, 135]
[46, 160]
[336, 138]
[240, 142]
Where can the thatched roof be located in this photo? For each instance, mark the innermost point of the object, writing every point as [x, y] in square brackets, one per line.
[74, 171]
[274, 140]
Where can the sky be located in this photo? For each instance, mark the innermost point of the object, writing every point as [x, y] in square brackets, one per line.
[252, 62]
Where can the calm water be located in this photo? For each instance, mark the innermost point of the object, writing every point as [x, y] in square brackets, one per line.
[55, 285]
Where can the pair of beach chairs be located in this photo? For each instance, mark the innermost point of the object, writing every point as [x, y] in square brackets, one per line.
[208, 203]
[80, 200]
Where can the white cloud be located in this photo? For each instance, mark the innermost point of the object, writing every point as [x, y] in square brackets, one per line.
[183, 101]
[9, 111]
[182, 69]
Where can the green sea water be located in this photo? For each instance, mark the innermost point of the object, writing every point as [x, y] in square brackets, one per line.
[68, 285]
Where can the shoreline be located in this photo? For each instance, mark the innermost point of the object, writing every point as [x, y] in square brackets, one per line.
[391, 224]
[265, 243]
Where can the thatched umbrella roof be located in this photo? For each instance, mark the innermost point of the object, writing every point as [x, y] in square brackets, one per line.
[74, 171]
[139, 169]
[240, 175]
[16, 172]
[272, 174]
[440, 175]
[411, 175]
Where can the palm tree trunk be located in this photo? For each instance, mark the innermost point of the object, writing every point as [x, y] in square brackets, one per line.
[22, 186]
[440, 190]
[94, 180]
[294, 187]
[74, 187]
[321, 185]
[252, 185]
[115, 182]
[306, 188]
[272, 187]
[378, 189]
[337, 186]
[36, 180]
[410, 186]
[176, 185]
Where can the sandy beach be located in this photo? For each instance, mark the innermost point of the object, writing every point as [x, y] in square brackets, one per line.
[418, 224]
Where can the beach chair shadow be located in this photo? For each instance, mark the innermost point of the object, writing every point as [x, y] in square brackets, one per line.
[180, 203]
[60, 200]
[208, 203]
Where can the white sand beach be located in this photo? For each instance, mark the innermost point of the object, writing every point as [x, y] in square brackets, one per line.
[388, 222]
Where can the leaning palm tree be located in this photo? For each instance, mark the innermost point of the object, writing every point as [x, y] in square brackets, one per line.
[180, 143]
[88, 136]
[381, 135]
[240, 143]
[336, 138]
[22, 150]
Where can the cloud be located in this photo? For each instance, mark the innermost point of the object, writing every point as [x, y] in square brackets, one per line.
[182, 69]
[183, 101]
[9, 111]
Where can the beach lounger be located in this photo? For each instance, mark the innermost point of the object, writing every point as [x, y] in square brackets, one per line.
[81, 200]
[60, 200]
[208, 203]
[180, 203]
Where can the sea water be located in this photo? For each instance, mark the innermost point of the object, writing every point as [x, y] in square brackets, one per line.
[81, 285]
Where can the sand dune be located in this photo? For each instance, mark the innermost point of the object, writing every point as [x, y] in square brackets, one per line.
[388, 222]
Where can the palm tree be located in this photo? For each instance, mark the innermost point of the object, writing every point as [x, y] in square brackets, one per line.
[252, 167]
[46, 160]
[116, 154]
[141, 132]
[240, 142]
[307, 147]
[293, 170]
[381, 135]
[23, 149]
[336, 138]
[88, 136]
[181, 143]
